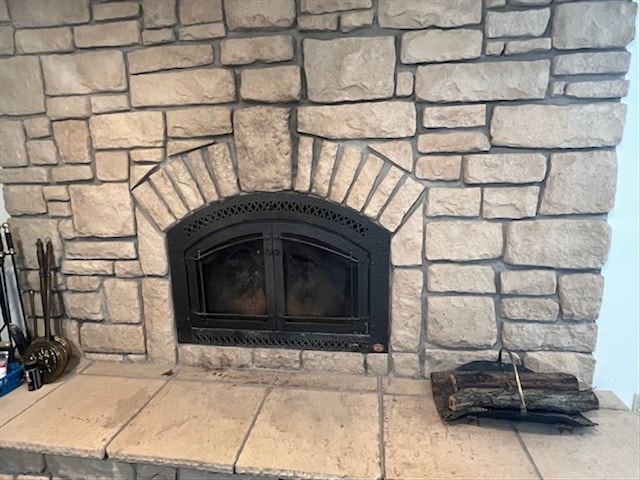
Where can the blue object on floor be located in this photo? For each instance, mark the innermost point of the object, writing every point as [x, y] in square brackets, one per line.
[15, 375]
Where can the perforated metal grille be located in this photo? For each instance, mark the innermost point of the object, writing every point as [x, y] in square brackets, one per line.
[300, 343]
[302, 209]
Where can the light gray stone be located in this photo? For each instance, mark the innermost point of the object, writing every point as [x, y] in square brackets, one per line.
[351, 68]
[576, 243]
[83, 306]
[461, 278]
[440, 45]
[304, 163]
[510, 202]
[443, 360]
[256, 14]
[364, 181]
[463, 322]
[59, 108]
[383, 191]
[392, 120]
[276, 358]
[263, 148]
[154, 472]
[87, 267]
[214, 357]
[401, 203]
[581, 365]
[37, 127]
[162, 35]
[580, 182]
[581, 295]
[482, 81]
[399, 152]
[102, 250]
[106, 338]
[109, 103]
[604, 89]
[72, 139]
[516, 47]
[42, 13]
[404, 84]
[126, 130]
[188, 87]
[528, 282]
[112, 166]
[202, 32]
[158, 320]
[169, 57]
[151, 248]
[549, 336]
[594, 24]
[107, 34]
[22, 88]
[24, 200]
[522, 23]
[123, 300]
[537, 309]
[454, 117]
[353, 20]
[406, 309]
[75, 468]
[199, 122]
[88, 72]
[71, 173]
[324, 168]
[274, 84]
[243, 51]
[44, 40]
[25, 230]
[505, 168]
[439, 167]
[102, 210]
[12, 146]
[19, 461]
[409, 14]
[338, 362]
[406, 365]
[196, 11]
[222, 169]
[7, 45]
[345, 173]
[377, 363]
[318, 23]
[406, 244]
[494, 47]
[454, 202]
[463, 240]
[159, 13]
[108, 11]
[591, 62]
[555, 126]
[324, 6]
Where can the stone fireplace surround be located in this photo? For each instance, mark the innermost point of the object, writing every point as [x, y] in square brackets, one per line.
[480, 133]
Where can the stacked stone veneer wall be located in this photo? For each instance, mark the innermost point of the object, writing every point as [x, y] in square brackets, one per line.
[481, 133]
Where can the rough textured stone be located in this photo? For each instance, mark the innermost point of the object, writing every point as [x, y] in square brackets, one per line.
[594, 24]
[56, 192]
[345, 173]
[7, 44]
[100, 71]
[214, 357]
[12, 146]
[151, 248]
[406, 309]
[441, 360]
[263, 146]
[112, 166]
[274, 84]
[75, 468]
[305, 162]
[440, 45]
[581, 295]
[324, 6]
[103, 250]
[158, 315]
[577, 243]
[406, 244]
[25, 230]
[524, 23]
[191, 87]
[107, 34]
[516, 47]
[463, 240]
[24, 175]
[197, 11]
[554, 126]
[605, 89]
[400, 204]
[24, 200]
[71, 173]
[538, 309]
[349, 68]
[169, 57]
[59, 209]
[456, 202]
[18, 461]
[461, 321]
[399, 152]
[102, 210]
[494, 47]
[339, 362]
[579, 364]
[82, 284]
[154, 472]
[153, 37]
[123, 300]
[324, 168]
[201, 174]
[109, 103]
[505, 202]
[72, 138]
[453, 117]
[458, 141]
[59, 108]
[222, 168]
[406, 365]
[202, 32]
[541, 336]
[44, 40]
[318, 22]
[242, 51]
[461, 278]
[383, 191]
[37, 127]
[353, 20]
[83, 306]
[199, 122]
[362, 120]
[105, 338]
[122, 9]
[364, 182]
[437, 167]
[126, 130]
[528, 282]
[580, 182]
[505, 168]
[144, 155]
[482, 81]
[409, 14]
[591, 62]
[404, 84]
[21, 85]
[276, 358]
[159, 13]
[43, 13]
[377, 363]
[176, 147]
[184, 182]
[251, 14]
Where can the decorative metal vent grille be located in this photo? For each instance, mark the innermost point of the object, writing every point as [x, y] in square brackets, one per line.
[299, 342]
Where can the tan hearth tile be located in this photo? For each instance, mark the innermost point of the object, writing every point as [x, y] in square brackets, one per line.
[315, 434]
[80, 417]
[326, 381]
[406, 386]
[190, 424]
[419, 445]
[609, 450]
[228, 375]
[131, 370]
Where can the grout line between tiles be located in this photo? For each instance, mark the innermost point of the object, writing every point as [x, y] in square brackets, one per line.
[526, 451]
[383, 467]
[250, 429]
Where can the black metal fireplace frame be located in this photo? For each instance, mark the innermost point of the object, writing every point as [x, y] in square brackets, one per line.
[302, 212]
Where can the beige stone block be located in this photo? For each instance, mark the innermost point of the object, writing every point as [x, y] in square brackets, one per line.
[576, 243]
[549, 336]
[579, 364]
[364, 181]
[168, 193]
[83, 306]
[324, 168]
[339, 362]
[440, 45]
[72, 139]
[12, 146]
[263, 148]
[105, 338]
[456, 202]
[214, 357]
[591, 62]
[196, 11]
[463, 321]
[401, 203]
[223, 170]
[349, 68]
[439, 167]
[302, 182]
[82, 283]
[59, 209]
[169, 57]
[581, 295]
[43, 13]
[243, 51]
[88, 72]
[593, 25]
[274, 84]
[126, 130]
[24, 175]
[7, 46]
[22, 91]
[108, 11]
[406, 244]
[353, 20]
[505, 168]
[463, 240]
[555, 126]
[406, 365]
[183, 180]
[442, 360]
[102, 210]
[59, 108]
[177, 147]
[112, 166]
[44, 40]
[377, 363]
[202, 32]
[605, 89]
[399, 152]
[482, 81]
[516, 47]
[320, 23]
[406, 309]
[4, 12]
[383, 191]
[494, 47]
[146, 155]
[201, 174]
[123, 301]
[528, 282]
[461, 278]
[37, 127]
[536, 309]
[102, 250]
[505, 202]
[276, 358]
[453, 117]
[189, 87]
[199, 122]
[67, 231]
[580, 182]
[345, 173]
[404, 84]
[153, 37]
[151, 248]
[394, 120]
[257, 14]
[56, 192]
[159, 13]
[324, 6]
[522, 23]
[109, 103]
[110, 34]
[530, 2]
[459, 141]
[24, 200]
[409, 14]
[71, 173]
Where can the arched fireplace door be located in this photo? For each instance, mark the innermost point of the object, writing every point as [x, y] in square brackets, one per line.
[280, 270]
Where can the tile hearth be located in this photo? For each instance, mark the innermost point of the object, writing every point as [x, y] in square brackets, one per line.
[128, 421]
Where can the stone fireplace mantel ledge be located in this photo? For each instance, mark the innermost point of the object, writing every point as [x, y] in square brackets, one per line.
[133, 421]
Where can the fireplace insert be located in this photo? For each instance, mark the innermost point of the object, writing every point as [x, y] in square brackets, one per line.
[280, 270]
